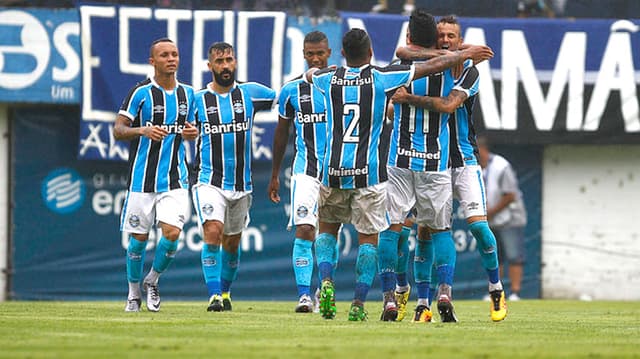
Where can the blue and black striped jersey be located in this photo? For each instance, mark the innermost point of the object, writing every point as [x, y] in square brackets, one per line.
[464, 149]
[225, 122]
[158, 166]
[357, 101]
[420, 137]
[303, 103]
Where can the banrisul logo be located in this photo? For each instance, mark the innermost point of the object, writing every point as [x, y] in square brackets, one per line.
[63, 190]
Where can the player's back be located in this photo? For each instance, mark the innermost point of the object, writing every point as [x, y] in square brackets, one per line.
[464, 149]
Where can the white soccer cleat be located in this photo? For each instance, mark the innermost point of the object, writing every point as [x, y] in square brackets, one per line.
[305, 304]
[133, 305]
[153, 296]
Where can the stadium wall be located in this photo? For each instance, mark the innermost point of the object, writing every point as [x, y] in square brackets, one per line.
[4, 201]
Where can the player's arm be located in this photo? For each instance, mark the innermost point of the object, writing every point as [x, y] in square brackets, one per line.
[446, 104]
[122, 130]
[280, 139]
[418, 53]
[443, 62]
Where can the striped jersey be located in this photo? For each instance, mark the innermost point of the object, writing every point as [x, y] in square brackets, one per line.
[158, 166]
[420, 137]
[356, 99]
[303, 103]
[225, 121]
[464, 150]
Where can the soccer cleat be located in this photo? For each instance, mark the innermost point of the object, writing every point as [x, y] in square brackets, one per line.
[402, 298]
[133, 305]
[153, 296]
[226, 301]
[422, 314]
[445, 307]
[498, 307]
[514, 297]
[215, 304]
[390, 308]
[357, 313]
[305, 304]
[327, 300]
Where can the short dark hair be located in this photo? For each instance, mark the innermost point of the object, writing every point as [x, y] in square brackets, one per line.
[450, 19]
[162, 39]
[220, 46]
[315, 37]
[422, 28]
[356, 44]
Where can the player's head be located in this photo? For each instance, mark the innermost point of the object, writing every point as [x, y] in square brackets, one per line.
[316, 49]
[483, 150]
[356, 47]
[422, 30]
[449, 34]
[163, 56]
[222, 63]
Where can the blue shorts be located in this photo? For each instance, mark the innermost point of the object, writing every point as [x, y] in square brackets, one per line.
[510, 244]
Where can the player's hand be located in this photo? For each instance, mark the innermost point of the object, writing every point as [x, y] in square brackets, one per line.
[274, 187]
[189, 132]
[477, 53]
[401, 95]
[155, 132]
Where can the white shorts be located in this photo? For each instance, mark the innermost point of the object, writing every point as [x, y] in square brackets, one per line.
[468, 189]
[229, 207]
[429, 192]
[142, 210]
[365, 208]
[305, 191]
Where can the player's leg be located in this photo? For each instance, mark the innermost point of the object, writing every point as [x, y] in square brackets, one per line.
[369, 217]
[403, 289]
[137, 218]
[422, 272]
[236, 220]
[172, 209]
[210, 208]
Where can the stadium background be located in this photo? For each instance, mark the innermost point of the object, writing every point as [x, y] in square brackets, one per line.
[64, 72]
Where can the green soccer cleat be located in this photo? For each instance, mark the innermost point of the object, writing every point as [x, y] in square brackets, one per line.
[215, 304]
[226, 301]
[357, 313]
[327, 300]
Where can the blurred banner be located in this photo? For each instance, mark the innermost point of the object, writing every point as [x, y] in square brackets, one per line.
[67, 244]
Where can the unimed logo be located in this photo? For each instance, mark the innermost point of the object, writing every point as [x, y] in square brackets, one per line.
[63, 190]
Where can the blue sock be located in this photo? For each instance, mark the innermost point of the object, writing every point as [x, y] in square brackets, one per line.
[387, 259]
[487, 248]
[366, 264]
[424, 291]
[445, 256]
[422, 267]
[325, 255]
[210, 257]
[403, 256]
[165, 253]
[229, 273]
[303, 265]
[135, 259]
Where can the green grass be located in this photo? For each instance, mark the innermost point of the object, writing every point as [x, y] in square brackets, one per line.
[533, 329]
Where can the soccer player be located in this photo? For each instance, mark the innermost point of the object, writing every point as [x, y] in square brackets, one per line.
[467, 181]
[354, 170]
[224, 113]
[419, 177]
[303, 104]
[156, 117]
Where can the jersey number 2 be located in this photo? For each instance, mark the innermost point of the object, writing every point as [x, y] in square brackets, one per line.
[352, 110]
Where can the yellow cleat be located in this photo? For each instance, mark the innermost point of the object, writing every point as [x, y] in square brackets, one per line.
[402, 298]
[422, 314]
[226, 301]
[498, 305]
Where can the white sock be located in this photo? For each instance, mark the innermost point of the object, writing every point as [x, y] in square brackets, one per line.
[152, 277]
[402, 289]
[495, 286]
[423, 301]
[134, 291]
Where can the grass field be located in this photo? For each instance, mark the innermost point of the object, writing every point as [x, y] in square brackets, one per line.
[533, 329]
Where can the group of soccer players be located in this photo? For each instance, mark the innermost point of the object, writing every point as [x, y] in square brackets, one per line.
[351, 165]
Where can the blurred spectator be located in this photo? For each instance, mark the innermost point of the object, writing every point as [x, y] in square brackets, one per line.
[506, 213]
[393, 6]
[534, 8]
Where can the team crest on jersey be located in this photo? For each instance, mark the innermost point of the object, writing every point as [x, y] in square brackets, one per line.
[302, 211]
[182, 109]
[158, 109]
[211, 110]
[237, 107]
[134, 220]
[207, 209]
[305, 98]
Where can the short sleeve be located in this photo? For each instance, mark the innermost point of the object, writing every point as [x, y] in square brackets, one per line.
[468, 82]
[394, 76]
[285, 110]
[261, 96]
[131, 105]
